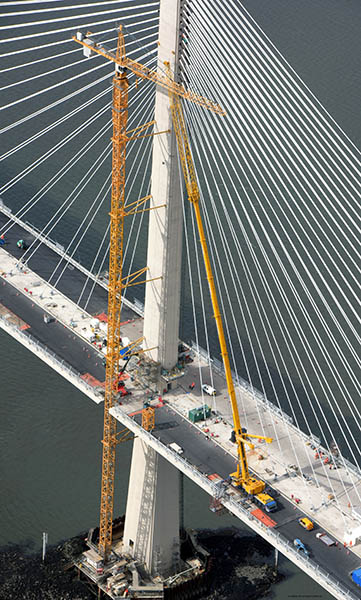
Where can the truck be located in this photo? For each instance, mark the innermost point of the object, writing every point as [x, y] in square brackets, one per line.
[356, 576]
[208, 389]
[265, 501]
[178, 449]
[259, 496]
[325, 539]
[300, 546]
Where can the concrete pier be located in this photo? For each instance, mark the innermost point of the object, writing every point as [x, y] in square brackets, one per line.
[151, 531]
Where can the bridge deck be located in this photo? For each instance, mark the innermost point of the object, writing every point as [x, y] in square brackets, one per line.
[67, 337]
[209, 458]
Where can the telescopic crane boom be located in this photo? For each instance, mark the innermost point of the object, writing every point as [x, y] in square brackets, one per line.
[242, 476]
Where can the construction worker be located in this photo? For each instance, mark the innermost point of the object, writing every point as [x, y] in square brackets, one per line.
[21, 244]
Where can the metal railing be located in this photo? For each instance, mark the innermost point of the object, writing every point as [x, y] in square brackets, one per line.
[62, 366]
[59, 249]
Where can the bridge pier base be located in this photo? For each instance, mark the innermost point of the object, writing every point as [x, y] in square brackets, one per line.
[151, 531]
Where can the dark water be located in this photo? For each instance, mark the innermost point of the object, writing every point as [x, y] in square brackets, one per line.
[50, 434]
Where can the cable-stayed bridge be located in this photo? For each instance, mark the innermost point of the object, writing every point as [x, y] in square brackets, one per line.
[280, 187]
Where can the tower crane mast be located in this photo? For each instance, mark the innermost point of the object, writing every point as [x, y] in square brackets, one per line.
[119, 140]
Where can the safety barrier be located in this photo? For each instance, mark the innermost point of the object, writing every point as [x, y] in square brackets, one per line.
[61, 366]
[59, 249]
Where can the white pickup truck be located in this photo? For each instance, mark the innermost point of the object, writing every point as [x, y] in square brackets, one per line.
[178, 449]
[208, 389]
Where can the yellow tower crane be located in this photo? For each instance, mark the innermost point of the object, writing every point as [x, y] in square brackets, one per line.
[117, 214]
[116, 283]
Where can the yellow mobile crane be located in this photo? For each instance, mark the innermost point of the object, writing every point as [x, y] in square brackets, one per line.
[241, 477]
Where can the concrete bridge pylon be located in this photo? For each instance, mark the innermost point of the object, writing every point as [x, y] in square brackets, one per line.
[162, 296]
[151, 532]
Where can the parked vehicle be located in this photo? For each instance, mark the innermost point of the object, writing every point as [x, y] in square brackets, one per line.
[208, 389]
[178, 449]
[306, 523]
[265, 501]
[325, 539]
[356, 576]
[300, 546]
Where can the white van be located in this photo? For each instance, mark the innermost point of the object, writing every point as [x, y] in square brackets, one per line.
[178, 449]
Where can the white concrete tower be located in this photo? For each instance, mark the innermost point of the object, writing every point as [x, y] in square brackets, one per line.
[162, 297]
[151, 532]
